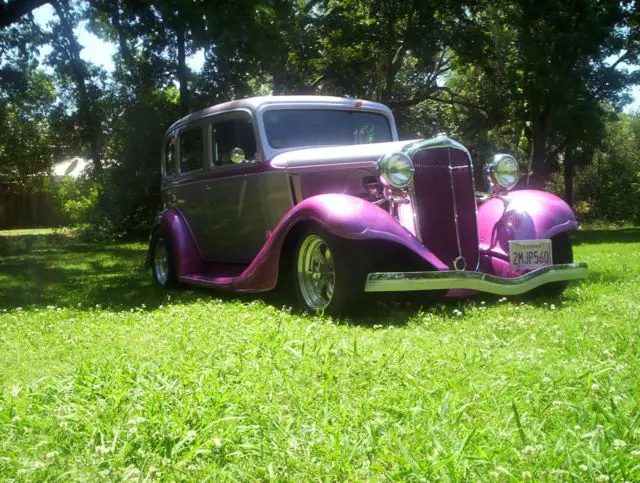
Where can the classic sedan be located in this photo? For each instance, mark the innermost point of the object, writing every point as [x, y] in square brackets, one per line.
[318, 196]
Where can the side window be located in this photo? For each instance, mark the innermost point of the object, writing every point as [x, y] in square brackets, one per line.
[169, 156]
[191, 150]
[232, 133]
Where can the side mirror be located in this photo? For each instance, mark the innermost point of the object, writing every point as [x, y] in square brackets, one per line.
[237, 155]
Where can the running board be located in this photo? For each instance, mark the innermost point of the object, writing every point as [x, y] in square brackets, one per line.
[216, 276]
[481, 282]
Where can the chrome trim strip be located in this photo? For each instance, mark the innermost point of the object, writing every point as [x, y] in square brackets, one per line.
[416, 221]
[481, 282]
[455, 214]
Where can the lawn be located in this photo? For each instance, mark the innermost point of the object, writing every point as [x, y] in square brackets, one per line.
[105, 377]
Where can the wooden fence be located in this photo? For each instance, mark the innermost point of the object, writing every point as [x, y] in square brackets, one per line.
[22, 207]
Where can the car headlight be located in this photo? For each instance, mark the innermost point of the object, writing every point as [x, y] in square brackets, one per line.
[395, 170]
[503, 170]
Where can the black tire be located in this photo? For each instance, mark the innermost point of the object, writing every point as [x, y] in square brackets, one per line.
[348, 266]
[562, 253]
[165, 276]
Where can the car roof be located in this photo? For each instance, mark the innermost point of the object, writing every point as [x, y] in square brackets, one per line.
[254, 104]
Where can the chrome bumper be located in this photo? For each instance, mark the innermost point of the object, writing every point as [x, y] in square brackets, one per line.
[481, 282]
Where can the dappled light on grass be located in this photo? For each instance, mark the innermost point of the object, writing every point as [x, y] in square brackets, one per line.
[136, 382]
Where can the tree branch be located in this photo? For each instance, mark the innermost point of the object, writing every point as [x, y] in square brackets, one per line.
[555, 151]
[622, 58]
[309, 6]
[455, 100]
[319, 79]
[12, 11]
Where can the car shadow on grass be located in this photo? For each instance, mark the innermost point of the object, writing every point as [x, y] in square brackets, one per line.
[400, 310]
[63, 271]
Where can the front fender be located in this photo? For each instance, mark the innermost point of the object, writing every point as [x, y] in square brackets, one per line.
[521, 215]
[185, 252]
[342, 215]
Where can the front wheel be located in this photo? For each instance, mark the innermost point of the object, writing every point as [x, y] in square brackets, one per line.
[329, 272]
[162, 266]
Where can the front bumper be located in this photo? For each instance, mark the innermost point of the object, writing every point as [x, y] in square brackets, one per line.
[480, 282]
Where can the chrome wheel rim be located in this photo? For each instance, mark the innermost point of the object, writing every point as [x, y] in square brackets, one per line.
[161, 261]
[316, 273]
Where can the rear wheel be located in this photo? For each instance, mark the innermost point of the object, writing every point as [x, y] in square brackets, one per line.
[562, 253]
[162, 266]
[329, 273]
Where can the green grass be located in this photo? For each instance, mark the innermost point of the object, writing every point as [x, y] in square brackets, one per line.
[105, 377]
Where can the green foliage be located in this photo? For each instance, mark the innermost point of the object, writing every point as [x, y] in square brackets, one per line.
[77, 199]
[611, 184]
[26, 98]
[130, 193]
[106, 377]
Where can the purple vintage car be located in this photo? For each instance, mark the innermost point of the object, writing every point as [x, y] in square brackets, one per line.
[318, 195]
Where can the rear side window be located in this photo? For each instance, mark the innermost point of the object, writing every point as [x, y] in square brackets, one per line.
[169, 157]
[191, 150]
[232, 133]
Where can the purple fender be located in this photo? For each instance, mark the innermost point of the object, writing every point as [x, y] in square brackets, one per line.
[519, 215]
[186, 256]
[342, 215]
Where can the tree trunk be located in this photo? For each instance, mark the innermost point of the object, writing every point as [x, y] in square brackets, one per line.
[389, 80]
[538, 174]
[183, 73]
[79, 74]
[394, 63]
[125, 51]
[279, 82]
[569, 171]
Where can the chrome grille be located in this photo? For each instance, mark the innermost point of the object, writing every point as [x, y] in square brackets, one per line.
[444, 190]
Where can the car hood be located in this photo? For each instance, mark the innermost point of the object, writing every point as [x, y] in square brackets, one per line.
[335, 154]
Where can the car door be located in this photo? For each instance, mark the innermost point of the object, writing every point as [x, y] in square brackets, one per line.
[186, 192]
[236, 226]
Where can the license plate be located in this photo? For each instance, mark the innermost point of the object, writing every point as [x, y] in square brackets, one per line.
[530, 254]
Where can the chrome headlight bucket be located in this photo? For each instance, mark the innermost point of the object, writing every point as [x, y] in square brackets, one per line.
[395, 170]
[502, 171]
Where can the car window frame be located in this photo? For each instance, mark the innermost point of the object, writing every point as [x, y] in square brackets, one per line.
[313, 106]
[163, 166]
[205, 147]
[224, 116]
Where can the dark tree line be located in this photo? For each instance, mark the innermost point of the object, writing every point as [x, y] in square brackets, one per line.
[543, 78]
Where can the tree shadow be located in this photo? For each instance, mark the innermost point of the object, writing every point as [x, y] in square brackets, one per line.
[61, 271]
[44, 270]
[14, 244]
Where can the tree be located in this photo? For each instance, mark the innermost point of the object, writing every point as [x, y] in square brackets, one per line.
[67, 61]
[543, 57]
[26, 138]
[390, 51]
[29, 112]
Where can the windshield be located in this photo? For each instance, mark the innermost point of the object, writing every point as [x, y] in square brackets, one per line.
[292, 128]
